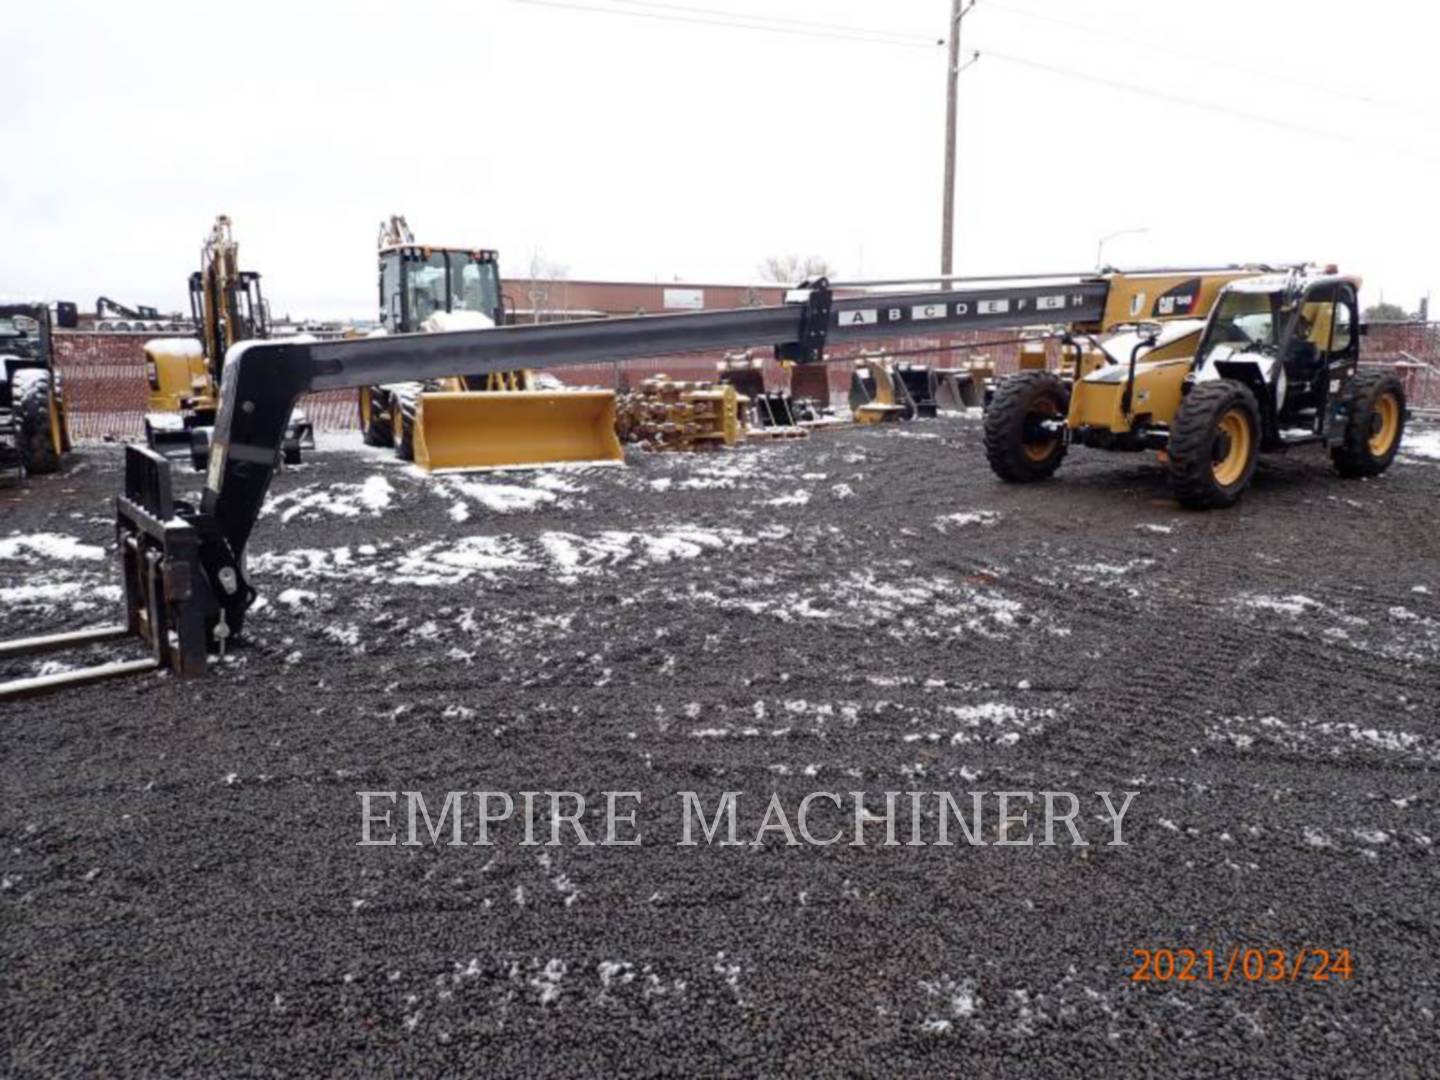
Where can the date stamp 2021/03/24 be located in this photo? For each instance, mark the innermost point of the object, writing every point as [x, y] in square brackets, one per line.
[1242, 963]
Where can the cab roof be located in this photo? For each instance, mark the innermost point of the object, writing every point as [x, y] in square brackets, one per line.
[483, 253]
[1302, 277]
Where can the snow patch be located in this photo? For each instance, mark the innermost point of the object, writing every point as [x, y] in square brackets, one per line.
[1422, 443]
[505, 498]
[796, 498]
[48, 547]
[964, 518]
[338, 500]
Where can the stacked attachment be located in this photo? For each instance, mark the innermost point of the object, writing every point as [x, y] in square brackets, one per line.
[882, 390]
[662, 414]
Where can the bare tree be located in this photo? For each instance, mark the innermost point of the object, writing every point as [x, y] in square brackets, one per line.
[544, 274]
[792, 269]
[1387, 312]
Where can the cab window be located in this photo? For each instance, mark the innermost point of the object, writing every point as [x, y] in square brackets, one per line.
[390, 310]
[426, 286]
[1344, 332]
[474, 283]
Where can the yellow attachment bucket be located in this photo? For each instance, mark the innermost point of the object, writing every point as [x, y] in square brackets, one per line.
[486, 430]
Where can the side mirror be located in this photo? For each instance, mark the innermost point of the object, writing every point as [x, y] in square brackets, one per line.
[67, 315]
[1364, 329]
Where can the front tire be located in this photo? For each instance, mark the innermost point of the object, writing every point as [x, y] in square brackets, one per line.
[375, 424]
[41, 437]
[1214, 445]
[1019, 445]
[402, 424]
[1376, 424]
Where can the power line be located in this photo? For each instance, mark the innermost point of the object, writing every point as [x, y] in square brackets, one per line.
[1210, 61]
[918, 39]
[1211, 106]
[838, 33]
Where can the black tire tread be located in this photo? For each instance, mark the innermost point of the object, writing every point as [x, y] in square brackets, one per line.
[1005, 423]
[1352, 458]
[1193, 435]
[405, 437]
[378, 432]
[37, 445]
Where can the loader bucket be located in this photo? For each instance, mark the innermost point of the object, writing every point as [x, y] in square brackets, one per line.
[955, 389]
[811, 382]
[919, 386]
[513, 428]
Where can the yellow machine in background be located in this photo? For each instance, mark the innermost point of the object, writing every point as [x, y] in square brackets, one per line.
[471, 422]
[469, 429]
[184, 373]
[178, 375]
[1274, 365]
[884, 389]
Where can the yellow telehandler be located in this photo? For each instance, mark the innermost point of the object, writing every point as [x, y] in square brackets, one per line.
[493, 420]
[1276, 365]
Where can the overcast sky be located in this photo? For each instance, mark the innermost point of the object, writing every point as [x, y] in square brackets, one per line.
[648, 148]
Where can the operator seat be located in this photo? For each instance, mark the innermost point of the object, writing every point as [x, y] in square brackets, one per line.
[1304, 367]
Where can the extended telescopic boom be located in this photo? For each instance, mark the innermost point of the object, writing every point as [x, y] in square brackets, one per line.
[186, 591]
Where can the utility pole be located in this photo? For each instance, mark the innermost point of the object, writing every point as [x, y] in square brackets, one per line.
[958, 10]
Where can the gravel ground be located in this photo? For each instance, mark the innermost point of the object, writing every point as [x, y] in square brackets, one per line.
[866, 610]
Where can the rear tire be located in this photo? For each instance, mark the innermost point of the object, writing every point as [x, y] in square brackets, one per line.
[1018, 450]
[1214, 445]
[1376, 424]
[403, 424]
[40, 437]
[375, 425]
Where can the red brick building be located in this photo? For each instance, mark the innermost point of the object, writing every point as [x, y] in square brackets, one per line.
[556, 298]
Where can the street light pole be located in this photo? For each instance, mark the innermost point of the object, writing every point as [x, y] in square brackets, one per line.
[1100, 247]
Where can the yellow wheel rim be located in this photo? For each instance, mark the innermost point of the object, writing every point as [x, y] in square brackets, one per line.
[1041, 449]
[1386, 425]
[397, 421]
[1232, 448]
[366, 409]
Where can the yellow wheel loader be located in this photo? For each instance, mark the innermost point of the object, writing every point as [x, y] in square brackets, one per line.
[1275, 366]
[184, 373]
[493, 420]
[34, 426]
